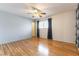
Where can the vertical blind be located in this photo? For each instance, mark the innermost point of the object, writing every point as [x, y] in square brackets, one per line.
[43, 24]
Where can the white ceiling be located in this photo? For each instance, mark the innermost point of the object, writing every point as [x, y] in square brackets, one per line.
[21, 9]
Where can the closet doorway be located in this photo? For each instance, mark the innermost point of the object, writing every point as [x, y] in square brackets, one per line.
[33, 29]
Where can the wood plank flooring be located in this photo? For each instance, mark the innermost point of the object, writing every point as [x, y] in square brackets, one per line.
[38, 47]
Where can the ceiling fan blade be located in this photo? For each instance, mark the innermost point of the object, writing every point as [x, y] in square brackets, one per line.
[39, 11]
[43, 13]
[34, 8]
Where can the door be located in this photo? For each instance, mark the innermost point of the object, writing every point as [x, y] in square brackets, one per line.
[33, 29]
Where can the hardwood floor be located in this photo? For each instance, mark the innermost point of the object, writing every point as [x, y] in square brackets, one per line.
[38, 47]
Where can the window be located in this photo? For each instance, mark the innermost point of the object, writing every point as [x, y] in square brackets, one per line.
[43, 24]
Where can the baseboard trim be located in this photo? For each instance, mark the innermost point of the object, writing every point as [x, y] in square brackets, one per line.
[15, 41]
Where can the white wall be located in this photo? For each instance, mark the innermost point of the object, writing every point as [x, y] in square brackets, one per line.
[13, 28]
[64, 26]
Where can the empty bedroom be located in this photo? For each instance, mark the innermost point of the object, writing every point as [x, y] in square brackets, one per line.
[39, 29]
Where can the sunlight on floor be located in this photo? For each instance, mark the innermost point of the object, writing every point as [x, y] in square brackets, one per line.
[42, 49]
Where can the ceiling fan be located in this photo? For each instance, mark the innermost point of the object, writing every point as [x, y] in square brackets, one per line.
[36, 12]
